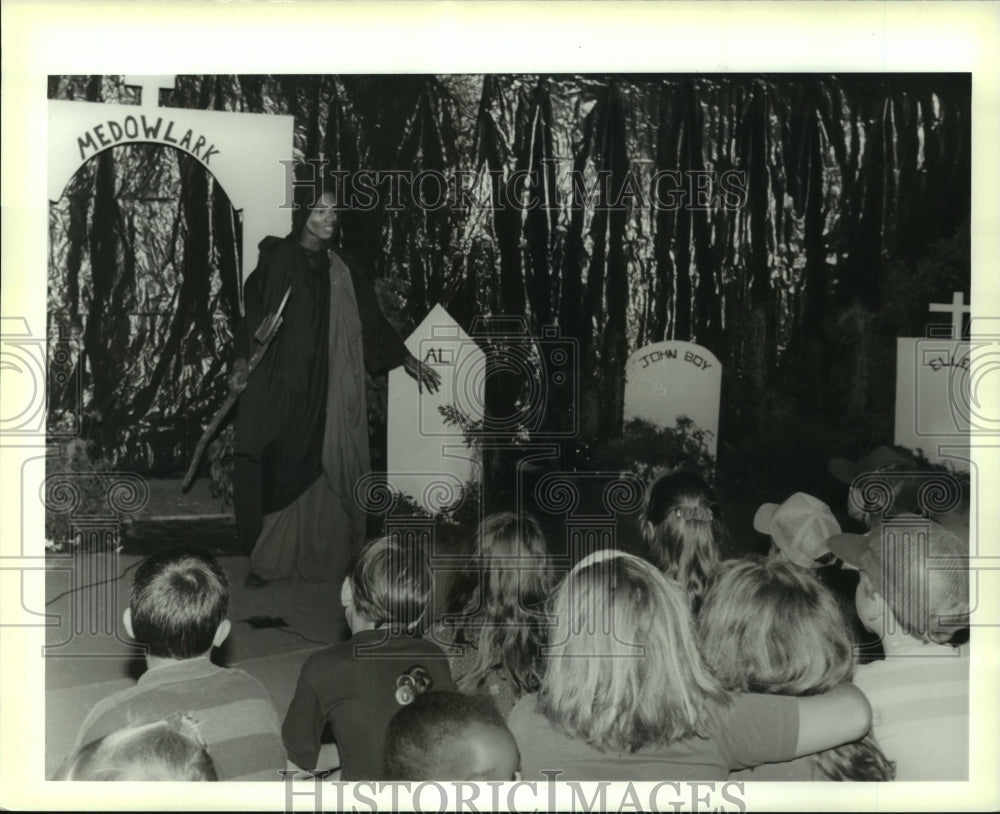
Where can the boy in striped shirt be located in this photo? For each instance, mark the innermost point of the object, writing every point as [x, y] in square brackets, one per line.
[178, 608]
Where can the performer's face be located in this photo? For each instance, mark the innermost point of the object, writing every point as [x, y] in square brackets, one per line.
[323, 219]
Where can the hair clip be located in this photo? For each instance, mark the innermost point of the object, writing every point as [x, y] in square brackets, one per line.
[412, 683]
[702, 513]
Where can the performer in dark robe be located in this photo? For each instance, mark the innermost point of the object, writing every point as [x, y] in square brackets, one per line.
[301, 425]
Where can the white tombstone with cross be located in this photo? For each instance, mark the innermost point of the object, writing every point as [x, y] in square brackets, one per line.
[248, 153]
[667, 380]
[428, 458]
[933, 409]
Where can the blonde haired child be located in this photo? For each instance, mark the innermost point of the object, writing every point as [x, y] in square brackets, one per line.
[171, 749]
[625, 695]
[773, 627]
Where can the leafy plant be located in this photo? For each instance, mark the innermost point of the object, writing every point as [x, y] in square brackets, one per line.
[220, 465]
[472, 430]
[452, 527]
[648, 451]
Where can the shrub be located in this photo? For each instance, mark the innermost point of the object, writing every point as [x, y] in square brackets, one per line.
[90, 492]
[220, 465]
[648, 451]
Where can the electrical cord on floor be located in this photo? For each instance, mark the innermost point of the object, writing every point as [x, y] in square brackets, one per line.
[277, 623]
[258, 622]
[92, 584]
[304, 638]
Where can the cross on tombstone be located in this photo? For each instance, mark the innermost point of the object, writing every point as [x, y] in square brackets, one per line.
[935, 409]
[150, 87]
[956, 307]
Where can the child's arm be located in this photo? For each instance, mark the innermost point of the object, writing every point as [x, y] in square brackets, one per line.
[839, 716]
[303, 725]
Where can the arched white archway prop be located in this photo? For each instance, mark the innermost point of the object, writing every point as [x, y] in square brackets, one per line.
[244, 151]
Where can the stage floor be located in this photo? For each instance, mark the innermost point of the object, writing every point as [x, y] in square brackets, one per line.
[86, 660]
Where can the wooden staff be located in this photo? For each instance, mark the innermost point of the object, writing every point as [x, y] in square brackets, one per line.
[264, 335]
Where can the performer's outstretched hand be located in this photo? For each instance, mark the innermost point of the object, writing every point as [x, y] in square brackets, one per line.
[425, 375]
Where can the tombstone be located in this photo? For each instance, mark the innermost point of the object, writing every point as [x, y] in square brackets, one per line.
[667, 380]
[428, 458]
[934, 412]
[248, 153]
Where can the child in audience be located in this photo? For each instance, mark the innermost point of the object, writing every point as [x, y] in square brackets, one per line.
[352, 685]
[496, 611]
[450, 736]
[625, 695]
[914, 594]
[892, 471]
[888, 482]
[683, 531]
[177, 608]
[799, 529]
[172, 749]
[773, 627]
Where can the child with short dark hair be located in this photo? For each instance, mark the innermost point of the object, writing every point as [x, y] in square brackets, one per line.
[450, 736]
[177, 608]
[179, 602]
[171, 749]
[352, 685]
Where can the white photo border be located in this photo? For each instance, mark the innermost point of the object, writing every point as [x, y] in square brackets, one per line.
[308, 36]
